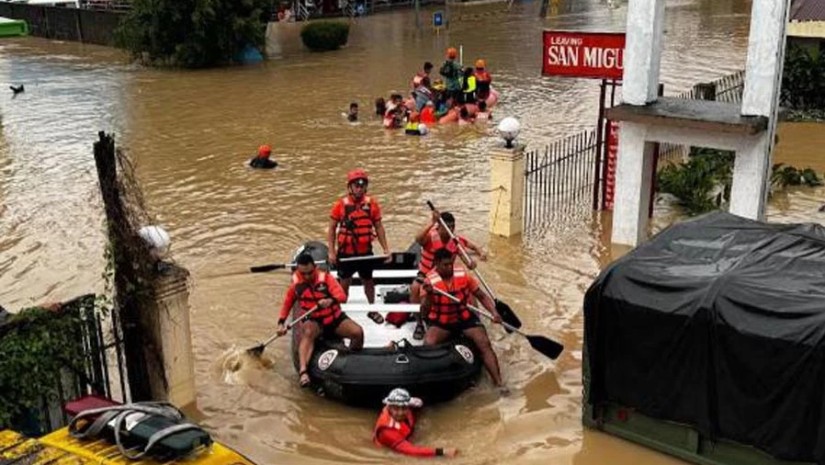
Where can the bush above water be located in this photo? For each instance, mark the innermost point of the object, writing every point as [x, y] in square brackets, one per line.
[322, 36]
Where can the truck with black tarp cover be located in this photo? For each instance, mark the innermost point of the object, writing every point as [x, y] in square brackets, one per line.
[708, 342]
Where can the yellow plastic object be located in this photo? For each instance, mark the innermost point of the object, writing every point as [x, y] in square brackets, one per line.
[59, 448]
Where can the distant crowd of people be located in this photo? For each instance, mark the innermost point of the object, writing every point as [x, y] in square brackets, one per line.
[460, 95]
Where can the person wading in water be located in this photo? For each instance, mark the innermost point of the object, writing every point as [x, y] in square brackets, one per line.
[396, 423]
[262, 161]
[353, 221]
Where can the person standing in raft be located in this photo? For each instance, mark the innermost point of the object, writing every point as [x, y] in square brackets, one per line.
[396, 424]
[451, 71]
[262, 161]
[353, 221]
[446, 318]
[431, 238]
[311, 287]
[483, 80]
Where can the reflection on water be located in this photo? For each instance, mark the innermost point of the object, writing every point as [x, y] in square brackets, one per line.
[191, 134]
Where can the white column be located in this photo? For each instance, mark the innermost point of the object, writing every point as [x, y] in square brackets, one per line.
[643, 50]
[751, 168]
[763, 83]
[766, 51]
[507, 191]
[633, 184]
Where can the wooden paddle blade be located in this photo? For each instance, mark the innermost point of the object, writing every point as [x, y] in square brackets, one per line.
[546, 346]
[256, 351]
[508, 315]
[265, 268]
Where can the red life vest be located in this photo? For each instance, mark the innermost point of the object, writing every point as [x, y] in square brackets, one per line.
[355, 230]
[443, 310]
[308, 294]
[435, 243]
[385, 420]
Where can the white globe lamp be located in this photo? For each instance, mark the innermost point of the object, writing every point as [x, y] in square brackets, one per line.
[508, 129]
[157, 239]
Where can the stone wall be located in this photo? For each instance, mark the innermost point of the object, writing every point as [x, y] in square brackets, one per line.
[63, 23]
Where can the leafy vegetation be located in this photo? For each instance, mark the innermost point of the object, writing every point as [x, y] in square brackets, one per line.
[803, 81]
[192, 33]
[703, 183]
[322, 36]
[37, 347]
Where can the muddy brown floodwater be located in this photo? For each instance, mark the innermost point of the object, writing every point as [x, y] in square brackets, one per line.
[191, 134]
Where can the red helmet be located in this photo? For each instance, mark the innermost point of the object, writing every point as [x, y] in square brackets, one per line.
[357, 174]
[264, 151]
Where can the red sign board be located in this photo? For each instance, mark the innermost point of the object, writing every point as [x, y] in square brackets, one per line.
[597, 55]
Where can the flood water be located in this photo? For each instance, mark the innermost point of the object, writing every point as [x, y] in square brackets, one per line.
[191, 134]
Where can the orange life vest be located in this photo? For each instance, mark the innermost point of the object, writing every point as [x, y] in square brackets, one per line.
[483, 81]
[355, 230]
[443, 310]
[385, 420]
[435, 243]
[308, 295]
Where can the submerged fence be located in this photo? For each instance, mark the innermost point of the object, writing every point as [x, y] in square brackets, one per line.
[564, 178]
[68, 352]
[727, 89]
[560, 179]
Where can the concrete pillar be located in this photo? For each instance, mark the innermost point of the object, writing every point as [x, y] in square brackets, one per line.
[634, 179]
[751, 177]
[763, 82]
[643, 50]
[766, 52]
[507, 191]
[172, 333]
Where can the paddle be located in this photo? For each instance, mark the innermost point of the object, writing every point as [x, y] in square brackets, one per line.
[507, 313]
[544, 345]
[258, 350]
[363, 258]
[276, 266]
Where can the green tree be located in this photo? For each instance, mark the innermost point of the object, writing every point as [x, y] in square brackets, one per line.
[193, 33]
[803, 80]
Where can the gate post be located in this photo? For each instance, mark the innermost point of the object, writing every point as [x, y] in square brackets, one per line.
[171, 331]
[507, 190]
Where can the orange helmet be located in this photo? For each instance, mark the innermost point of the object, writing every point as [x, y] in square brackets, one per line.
[356, 174]
[264, 150]
[452, 53]
[480, 63]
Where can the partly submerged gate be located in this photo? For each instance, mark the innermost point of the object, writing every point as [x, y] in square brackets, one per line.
[53, 355]
[560, 180]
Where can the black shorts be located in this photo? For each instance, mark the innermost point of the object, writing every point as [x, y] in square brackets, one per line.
[457, 328]
[362, 267]
[328, 331]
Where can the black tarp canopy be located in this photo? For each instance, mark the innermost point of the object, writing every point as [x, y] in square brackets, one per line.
[717, 322]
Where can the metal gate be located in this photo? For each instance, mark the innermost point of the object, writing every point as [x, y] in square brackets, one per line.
[560, 179]
[97, 340]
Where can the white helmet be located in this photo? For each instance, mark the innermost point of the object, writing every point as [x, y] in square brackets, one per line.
[401, 398]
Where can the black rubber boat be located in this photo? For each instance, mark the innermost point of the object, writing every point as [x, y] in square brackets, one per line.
[436, 374]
